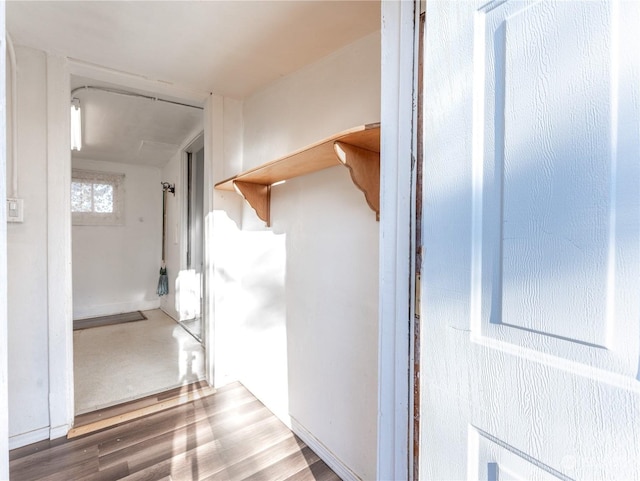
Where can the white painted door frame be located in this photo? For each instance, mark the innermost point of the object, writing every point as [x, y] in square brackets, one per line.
[194, 145]
[213, 162]
[59, 280]
[59, 70]
[4, 403]
[397, 156]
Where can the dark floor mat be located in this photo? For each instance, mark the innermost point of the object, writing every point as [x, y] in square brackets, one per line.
[108, 320]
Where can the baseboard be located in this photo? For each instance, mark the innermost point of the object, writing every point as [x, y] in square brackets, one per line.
[101, 321]
[172, 313]
[323, 452]
[279, 413]
[110, 309]
[31, 437]
[58, 431]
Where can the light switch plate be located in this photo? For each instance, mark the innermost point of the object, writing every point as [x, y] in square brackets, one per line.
[15, 210]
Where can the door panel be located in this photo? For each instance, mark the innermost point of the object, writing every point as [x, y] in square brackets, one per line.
[512, 466]
[555, 221]
[531, 228]
[546, 208]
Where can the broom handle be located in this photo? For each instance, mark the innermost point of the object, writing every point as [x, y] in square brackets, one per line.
[164, 221]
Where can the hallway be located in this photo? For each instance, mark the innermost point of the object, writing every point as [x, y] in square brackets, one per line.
[289, 309]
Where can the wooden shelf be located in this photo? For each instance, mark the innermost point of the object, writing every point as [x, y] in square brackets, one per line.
[358, 149]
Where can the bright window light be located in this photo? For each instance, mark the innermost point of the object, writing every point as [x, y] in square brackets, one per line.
[97, 198]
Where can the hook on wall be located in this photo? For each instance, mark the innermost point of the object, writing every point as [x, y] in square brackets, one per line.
[166, 186]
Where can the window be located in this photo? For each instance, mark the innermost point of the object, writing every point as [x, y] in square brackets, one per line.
[97, 198]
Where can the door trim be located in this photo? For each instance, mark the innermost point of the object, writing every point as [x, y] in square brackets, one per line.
[59, 280]
[397, 148]
[196, 144]
[4, 344]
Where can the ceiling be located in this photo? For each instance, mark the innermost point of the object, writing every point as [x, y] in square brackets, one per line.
[130, 129]
[231, 48]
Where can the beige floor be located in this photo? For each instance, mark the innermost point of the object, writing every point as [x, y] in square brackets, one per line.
[115, 364]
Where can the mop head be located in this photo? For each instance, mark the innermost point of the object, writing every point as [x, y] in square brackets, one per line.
[163, 282]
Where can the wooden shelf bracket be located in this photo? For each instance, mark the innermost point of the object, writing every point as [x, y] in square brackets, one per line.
[258, 196]
[364, 167]
[358, 149]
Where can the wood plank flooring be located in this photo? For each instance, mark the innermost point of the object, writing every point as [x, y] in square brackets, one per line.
[228, 435]
[114, 415]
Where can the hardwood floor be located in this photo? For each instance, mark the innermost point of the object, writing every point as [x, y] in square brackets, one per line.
[228, 435]
[114, 415]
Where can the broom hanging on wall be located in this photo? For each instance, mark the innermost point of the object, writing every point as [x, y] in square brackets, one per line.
[163, 281]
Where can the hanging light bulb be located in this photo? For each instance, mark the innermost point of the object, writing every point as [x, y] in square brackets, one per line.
[76, 125]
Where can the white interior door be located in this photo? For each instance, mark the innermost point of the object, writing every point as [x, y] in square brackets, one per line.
[531, 233]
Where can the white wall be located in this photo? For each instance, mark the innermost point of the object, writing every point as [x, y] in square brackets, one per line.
[116, 268]
[27, 258]
[308, 310]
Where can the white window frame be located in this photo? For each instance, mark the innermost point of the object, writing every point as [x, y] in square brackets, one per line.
[116, 181]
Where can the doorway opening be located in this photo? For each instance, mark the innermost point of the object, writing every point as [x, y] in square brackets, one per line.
[131, 144]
